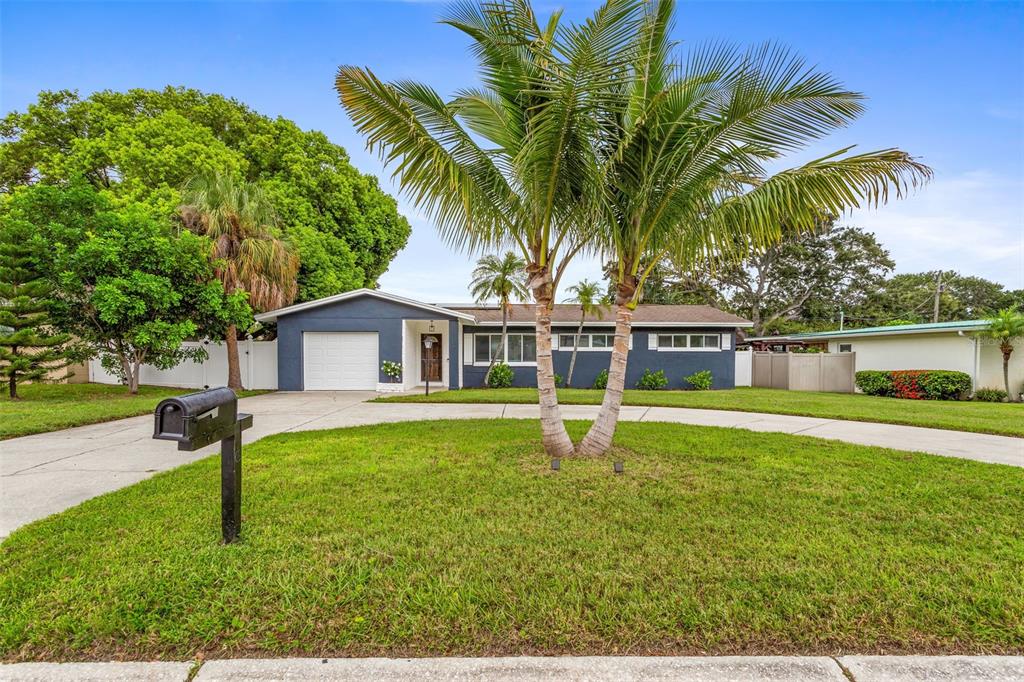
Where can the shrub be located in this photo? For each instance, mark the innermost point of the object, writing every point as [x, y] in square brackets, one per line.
[700, 381]
[559, 381]
[601, 381]
[990, 395]
[875, 382]
[392, 370]
[915, 384]
[501, 376]
[652, 381]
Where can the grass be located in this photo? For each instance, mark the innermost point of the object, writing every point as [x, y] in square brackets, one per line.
[997, 418]
[456, 538]
[51, 407]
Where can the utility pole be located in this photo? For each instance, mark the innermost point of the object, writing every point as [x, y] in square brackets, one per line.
[842, 317]
[938, 294]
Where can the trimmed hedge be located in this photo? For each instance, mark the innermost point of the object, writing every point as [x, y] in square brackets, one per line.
[501, 376]
[652, 381]
[915, 384]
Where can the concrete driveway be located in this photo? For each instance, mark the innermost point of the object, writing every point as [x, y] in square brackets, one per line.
[47, 473]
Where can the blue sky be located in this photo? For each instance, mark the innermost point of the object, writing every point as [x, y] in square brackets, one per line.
[945, 81]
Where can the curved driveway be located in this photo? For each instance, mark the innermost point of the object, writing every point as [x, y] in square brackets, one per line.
[47, 473]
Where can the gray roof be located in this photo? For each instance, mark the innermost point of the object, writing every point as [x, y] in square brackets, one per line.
[567, 313]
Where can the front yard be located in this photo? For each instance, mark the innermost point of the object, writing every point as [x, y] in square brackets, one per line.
[51, 407]
[456, 538]
[998, 418]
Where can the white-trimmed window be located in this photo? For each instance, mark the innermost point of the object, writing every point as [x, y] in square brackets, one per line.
[521, 349]
[689, 341]
[846, 348]
[587, 341]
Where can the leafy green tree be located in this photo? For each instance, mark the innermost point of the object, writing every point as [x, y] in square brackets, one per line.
[512, 163]
[1004, 328]
[588, 296]
[143, 145]
[127, 288]
[685, 159]
[911, 296]
[29, 346]
[248, 256]
[501, 278]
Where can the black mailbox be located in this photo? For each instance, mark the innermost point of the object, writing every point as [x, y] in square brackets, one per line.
[198, 419]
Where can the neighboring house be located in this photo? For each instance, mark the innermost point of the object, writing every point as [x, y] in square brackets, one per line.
[781, 343]
[339, 342]
[940, 345]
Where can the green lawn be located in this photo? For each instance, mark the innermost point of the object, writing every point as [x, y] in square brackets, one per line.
[51, 407]
[455, 537]
[999, 418]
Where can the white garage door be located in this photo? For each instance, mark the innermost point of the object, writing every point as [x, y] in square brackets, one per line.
[336, 361]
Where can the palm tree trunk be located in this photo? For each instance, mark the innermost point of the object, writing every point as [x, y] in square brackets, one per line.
[234, 370]
[553, 434]
[599, 437]
[501, 346]
[1006, 373]
[575, 349]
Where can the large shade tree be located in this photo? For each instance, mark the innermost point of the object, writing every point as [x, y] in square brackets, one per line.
[141, 146]
[684, 161]
[499, 278]
[512, 163]
[245, 245]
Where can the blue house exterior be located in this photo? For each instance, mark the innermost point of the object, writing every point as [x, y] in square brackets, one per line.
[342, 342]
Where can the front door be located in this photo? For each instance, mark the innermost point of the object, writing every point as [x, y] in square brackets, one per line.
[430, 358]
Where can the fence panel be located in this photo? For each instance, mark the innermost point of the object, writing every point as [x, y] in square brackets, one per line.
[832, 372]
[257, 365]
[744, 367]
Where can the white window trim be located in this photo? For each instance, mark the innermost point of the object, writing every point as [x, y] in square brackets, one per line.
[688, 349]
[588, 349]
[476, 363]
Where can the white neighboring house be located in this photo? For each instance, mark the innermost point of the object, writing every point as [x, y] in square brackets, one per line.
[940, 345]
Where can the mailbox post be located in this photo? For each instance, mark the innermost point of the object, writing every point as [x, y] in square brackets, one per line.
[198, 419]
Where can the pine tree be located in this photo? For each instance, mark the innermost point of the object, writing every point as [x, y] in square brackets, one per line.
[29, 347]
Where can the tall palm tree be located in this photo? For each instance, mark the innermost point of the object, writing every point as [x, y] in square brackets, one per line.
[511, 164]
[683, 161]
[1003, 328]
[502, 278]
[588, 296]
[242, 226]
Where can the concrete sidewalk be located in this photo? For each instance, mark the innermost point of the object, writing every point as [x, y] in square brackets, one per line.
[535, 669]
[47, 473]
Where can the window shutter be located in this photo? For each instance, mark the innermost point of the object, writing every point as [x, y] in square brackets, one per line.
[630, 339]
[467, 348]
[554, 340]
[726, 341]
[652, 342]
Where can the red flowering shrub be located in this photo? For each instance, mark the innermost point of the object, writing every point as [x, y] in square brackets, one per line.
[906, 384]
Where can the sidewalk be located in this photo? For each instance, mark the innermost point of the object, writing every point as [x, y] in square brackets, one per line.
[530, 669]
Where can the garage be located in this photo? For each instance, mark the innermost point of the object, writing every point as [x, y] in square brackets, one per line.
[340, 361]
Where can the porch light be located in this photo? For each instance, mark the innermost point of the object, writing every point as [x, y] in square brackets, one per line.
[428, 343]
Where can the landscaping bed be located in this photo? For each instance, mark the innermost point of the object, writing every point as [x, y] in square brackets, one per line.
[456, 538]
[51, 407]
[979, 417]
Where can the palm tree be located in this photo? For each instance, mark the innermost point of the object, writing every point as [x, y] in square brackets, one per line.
[511, 164]
[241, 224]
[588, 295]
[684, 166]
[1003, 328]
[502, 278]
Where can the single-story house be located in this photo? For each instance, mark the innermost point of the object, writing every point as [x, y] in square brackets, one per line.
[939, 345]
[340, 343]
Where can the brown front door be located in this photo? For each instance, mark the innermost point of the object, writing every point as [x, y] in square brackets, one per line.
[430, 358]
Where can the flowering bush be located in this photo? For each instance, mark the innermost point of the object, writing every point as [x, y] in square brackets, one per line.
[915, 384]
[393, 370]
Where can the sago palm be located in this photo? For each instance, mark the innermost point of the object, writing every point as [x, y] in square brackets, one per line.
[510, 164]
[1004, 328]
[587, 295]
[684, 167]
[501, 278]
[249, 256]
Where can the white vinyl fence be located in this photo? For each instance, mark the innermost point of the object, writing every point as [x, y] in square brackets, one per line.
[258, 360]
[744, 367]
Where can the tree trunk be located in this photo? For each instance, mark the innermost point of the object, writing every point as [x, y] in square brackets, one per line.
[553, 434]
[575, 349]
[599, 437]
[1006, 373]
[234, 370]
[12, 386]
[501, 346]
[132, 368]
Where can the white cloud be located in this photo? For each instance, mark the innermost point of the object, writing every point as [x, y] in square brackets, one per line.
[972, 223]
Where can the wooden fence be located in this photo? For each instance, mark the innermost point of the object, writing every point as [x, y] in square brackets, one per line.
[832, 372]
